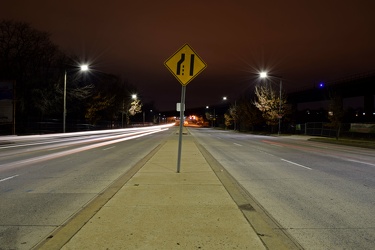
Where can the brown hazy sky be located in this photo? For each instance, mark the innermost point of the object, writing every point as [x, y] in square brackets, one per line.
[304, 41]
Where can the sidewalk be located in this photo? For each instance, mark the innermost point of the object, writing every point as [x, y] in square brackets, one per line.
[161, 209]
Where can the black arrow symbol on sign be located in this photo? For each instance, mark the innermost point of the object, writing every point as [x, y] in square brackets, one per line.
[178, 72]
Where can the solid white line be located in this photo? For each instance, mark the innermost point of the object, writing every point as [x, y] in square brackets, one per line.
[237, 144]
[8, 178]
[296, 164]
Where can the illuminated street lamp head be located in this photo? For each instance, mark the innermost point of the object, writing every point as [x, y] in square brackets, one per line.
[263, 74]
[84, 67]
[134, 96]
[224, 98]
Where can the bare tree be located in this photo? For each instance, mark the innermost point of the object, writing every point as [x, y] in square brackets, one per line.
[37, 65]
[336, 113]
[248, 115]
[96, 111]
[29, 57]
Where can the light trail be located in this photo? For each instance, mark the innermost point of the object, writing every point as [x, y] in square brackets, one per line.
[34, 140]
[114, 139]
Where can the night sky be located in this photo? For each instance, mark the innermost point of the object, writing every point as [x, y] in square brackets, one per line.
[305, 42]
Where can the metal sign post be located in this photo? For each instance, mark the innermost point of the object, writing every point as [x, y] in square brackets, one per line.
[182, 116]
[184, 64]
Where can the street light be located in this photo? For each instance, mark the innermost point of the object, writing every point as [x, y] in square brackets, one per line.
[83, 67]
[265, 75]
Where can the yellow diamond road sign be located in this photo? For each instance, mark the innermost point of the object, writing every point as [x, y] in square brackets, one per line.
[185, 64]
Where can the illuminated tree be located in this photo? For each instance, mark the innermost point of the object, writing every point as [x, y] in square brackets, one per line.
[135, 107]
[132, 109]
[228, 120]
[268, 102]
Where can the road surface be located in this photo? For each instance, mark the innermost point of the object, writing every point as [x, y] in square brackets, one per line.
[321, 194]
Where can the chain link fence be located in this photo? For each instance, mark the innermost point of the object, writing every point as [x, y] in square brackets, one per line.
[352, 130]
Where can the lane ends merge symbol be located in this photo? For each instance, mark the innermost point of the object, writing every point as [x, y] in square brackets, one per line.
[185, 64]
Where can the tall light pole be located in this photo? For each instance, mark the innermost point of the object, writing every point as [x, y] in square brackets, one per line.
[265, 75]
[235, 108]
[212, 117]
[135, 97]
[83, 67]
[64, 111]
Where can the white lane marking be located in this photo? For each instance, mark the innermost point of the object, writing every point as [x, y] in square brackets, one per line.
[362, 162]
[296, 164]
[237, 144]
[8, 178]
[108, 148]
